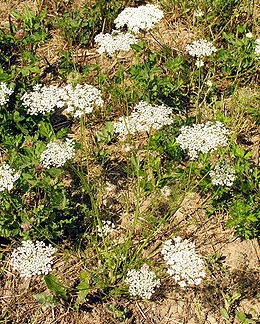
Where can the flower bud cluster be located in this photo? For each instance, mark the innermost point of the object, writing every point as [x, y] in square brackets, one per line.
[143, 118]
[142, 282]
[58, 153]
[78, 100]
[5, 93]
[7, 177]
[186, 267]
[117, 41]
[106, 228]
[139, 18]
[32, 258]
[223, 175]
[202, 137]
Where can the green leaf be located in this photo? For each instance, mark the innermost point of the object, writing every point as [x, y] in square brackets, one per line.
[55, 172]
[83, 287]
[236, 295]
[46, 130]
[46, 300]
[156, 70]
[62, 132]
[17, 117]
[224, 313]
[241, 316]
[248, 155]
[136, 47]
[54, 284]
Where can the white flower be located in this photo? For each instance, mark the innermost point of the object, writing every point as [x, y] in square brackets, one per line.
[117, 41]
[78, 100]
[222, 175]
[139, 18]
[199, 63]
[201, 48]
[5, 92]
[57, 153]
[32, 258]
[184, 264]
[257, 48]
[209, 83]
[143, 118]
[142, 282]
[249, 35]
[106, 228]
[198, 13]
[43, 99]
[81, 99]
[166, 191]
[7, 177]
[202, 137]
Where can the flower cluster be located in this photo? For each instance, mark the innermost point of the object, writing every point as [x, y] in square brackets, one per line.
[257, 48]
[78, 100]
[222, 175]
[139, 18]
[7, 177]
[43, 99]
[202, 137]
[106, 228]
[81, 99]
[198, 13]
[142, 282]
[57, 153]
[143, 118]
[166, 191]
[200, 49]
[184, 264]
[32, 258]
[117, 41]
[5, 92]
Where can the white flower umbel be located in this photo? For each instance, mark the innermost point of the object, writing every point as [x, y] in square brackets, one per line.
[77, 100]
[186, 267]
[198, 13]
[5, 93]
[32, 259]
[106, 228]
[200, 49]
[202, 138]
[223, 175]
[57, 153]
[116, 41]
[81, 99]
[43, 99]
[142, 283]
[7, 177]
[257, 48]
[139, 18]
[143, 118]
[249, 35]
